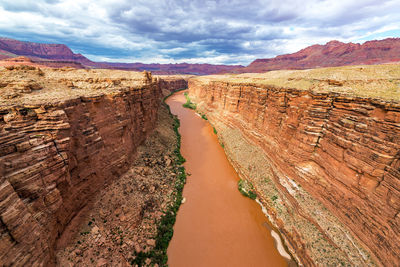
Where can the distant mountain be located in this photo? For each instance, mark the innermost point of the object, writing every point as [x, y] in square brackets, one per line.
[181, 68]
[58, 55]
[51, 53]
[332, 54]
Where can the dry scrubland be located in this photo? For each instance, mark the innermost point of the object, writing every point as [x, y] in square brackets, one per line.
[30, 85]
[375, 81]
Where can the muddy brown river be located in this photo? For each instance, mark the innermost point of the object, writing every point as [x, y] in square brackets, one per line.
[216, 226]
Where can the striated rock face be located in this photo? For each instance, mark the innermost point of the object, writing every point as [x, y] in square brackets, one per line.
[325, 164]
[174, 83]
[18, 61]
[334, 53]
[122, 219]
[60, 64]
[47, 51]
[59, 145]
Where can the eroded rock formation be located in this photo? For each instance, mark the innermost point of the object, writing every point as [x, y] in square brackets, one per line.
[323, 156]
[333, 53]
[64, 135]
[173, 83]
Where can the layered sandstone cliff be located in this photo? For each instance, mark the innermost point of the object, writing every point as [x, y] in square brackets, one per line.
[173, 83]
[322, 148]
[64, 134]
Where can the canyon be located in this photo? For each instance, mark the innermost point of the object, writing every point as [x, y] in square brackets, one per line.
[65, 135]
[214, 212]
[90, 163]
[321, 148]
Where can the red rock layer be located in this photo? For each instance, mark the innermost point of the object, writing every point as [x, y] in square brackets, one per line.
[54, 157]
[60, 64]
[343, 151]
[17, 61]
[48, 51]
[174, 84]
[331, 54]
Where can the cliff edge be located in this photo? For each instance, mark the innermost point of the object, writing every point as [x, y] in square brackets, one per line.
[64, 135]
[321, 148]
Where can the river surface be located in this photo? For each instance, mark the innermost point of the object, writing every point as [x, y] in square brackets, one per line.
[216, 226]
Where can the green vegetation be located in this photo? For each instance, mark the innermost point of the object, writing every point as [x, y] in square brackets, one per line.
[158, 254]
[273, 198]
[189, 103]
[247, 189]
[215, 131]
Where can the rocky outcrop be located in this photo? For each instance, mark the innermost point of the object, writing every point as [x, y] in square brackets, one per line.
[19, 61]
[61, 144]
[325, 164]
[333, 53]
[25, 61]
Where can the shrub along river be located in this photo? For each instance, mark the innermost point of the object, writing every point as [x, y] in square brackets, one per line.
[216, 225]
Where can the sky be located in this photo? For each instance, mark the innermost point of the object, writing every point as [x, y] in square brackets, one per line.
[196, 31]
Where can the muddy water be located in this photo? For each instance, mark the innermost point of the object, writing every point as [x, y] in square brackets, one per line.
[216, 226]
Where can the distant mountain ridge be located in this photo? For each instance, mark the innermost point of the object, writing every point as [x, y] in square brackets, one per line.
[59, 54]
[332, 54]
[47, 51]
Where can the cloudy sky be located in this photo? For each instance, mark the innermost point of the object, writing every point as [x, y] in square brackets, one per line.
[196, 31]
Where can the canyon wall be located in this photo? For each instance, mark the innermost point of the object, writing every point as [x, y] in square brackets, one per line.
[55, 154]
[173, 83]
[325, 165]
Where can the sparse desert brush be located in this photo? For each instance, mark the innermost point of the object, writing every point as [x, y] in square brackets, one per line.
[56, 84]
[371, 81]
[246, 189]
[40, 72]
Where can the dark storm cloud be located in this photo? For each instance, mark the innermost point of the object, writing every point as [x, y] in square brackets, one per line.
[220, 31]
